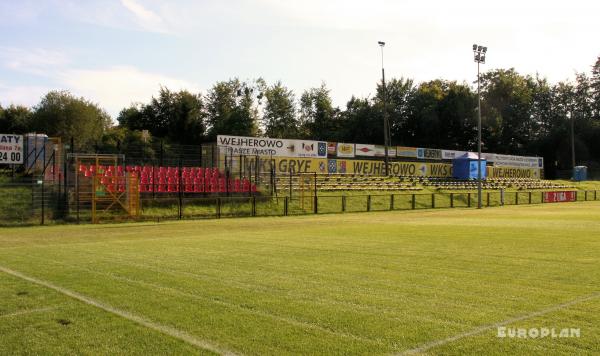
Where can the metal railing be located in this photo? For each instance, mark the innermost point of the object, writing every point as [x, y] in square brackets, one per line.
[41, 202]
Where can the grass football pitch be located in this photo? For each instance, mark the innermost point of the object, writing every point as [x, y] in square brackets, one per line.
[431, 282]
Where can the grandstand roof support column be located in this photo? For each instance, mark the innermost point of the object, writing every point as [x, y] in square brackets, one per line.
[386, 123]
[479, 53]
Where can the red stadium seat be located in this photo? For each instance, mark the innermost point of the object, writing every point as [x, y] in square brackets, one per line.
[199, 185]
[173, 184]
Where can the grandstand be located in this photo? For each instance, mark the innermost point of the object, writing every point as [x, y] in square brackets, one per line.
[361, 182]
[159, 179]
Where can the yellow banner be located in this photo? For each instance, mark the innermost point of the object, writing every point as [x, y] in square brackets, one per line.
[332, 166]
[513, 172]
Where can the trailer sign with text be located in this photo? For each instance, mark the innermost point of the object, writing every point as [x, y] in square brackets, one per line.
[11, 149]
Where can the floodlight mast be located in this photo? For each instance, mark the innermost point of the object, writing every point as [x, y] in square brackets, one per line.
[386, 124]
[479, 57]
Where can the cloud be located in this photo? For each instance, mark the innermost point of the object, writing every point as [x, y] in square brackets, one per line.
[117, 87]
[145, 18]
[34, 61]
[27, 95]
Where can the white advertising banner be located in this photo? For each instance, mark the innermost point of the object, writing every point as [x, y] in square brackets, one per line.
[518, 161]
[11, 149]
[365, 150]
[379, 151]
[263, 146]
[450, 154]
[345, 150]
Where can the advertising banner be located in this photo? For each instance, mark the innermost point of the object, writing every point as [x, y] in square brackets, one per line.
[429, 153]
[512, 172]
[367, 167]
[262, 146]
[365, 150]
[345, 150]
[11, 149]
[560, 196]
[517, 161]
[450, 154]
[379, 151]
[331, 148]
[406, 152]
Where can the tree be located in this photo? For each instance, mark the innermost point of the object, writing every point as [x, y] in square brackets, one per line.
[595, 88]
[399, 93]
[361, 122]
[15, 119]
[177, 116]
[506, 111]
[64, 115]
[230, 109]
[279, 114]
[318, 117]
[457, 119]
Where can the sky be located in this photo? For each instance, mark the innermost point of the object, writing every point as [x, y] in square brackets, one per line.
[118, 52]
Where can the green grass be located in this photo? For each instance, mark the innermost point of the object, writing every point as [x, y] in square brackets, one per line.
[374, 283]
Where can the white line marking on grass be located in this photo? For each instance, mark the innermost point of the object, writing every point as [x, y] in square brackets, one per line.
[27, 311]
[166, 330]
[484, 328]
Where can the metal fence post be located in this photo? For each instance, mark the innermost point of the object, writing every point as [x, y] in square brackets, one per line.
[369, 202]
[180, 193]
[343, 203]
[392, 202]
[218, 208]
[290, 183]
[414, 202]
[469, 200]
[516, 198]
[501, 196]
[285, 206]
[316, 199]
[452, 200]
[43, 210]
[529, 198]
[254, 205]
[488, 199]
[432, 200]
[542, 197]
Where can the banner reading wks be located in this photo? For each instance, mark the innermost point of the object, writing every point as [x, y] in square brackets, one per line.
[263, 146]
[321, 165]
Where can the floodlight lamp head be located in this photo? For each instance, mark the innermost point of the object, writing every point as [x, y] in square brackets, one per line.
[484, 49]
[474, 47]
[381, 43]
